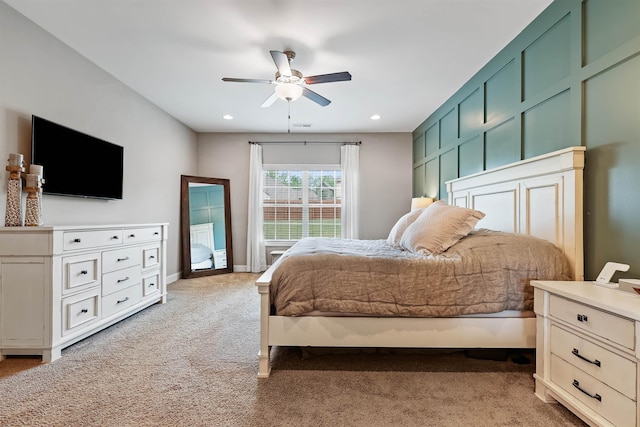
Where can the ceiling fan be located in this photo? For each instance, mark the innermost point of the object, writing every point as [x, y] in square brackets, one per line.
[290, 83]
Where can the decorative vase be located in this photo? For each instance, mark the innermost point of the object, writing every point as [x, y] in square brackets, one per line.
[33, 211]
[13, 214]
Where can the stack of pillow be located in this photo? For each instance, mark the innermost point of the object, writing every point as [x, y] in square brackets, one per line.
[434, 229]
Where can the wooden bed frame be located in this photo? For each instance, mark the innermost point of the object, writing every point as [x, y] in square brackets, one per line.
[541, 196]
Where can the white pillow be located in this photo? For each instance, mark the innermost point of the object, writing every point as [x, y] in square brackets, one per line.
[401, 225]
[439, 227]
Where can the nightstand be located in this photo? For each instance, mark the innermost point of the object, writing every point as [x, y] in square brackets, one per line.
[587, 351]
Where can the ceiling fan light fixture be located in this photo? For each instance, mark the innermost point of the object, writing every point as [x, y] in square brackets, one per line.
[288, 91]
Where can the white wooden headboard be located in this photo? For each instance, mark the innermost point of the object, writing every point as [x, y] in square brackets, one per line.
[540, 196]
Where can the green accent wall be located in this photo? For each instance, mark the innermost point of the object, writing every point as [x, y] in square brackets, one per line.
[206, 204]
[572, 77]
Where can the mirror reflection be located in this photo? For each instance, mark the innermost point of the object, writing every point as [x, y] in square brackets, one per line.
[206, 226]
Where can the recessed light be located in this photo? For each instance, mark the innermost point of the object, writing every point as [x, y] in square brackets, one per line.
[375, 117]
[227, 117]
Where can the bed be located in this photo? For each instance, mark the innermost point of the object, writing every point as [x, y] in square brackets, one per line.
[539, 197]
[202, 244]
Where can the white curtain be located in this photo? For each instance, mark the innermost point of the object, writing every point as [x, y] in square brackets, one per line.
[350, 165]
[256, 257]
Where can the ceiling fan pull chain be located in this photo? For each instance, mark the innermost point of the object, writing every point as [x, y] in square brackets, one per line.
[289, 116]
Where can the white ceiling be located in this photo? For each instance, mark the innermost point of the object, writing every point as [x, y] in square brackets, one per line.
[407, 57]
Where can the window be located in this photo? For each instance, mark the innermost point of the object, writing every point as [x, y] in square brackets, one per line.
[301, 202]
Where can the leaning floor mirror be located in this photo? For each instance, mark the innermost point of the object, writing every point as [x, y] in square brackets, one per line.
[206, 226]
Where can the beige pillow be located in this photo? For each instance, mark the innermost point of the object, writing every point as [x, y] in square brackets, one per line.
[401, 225]
[439, 227]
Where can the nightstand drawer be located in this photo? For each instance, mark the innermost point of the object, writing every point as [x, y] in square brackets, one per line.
[614, 406]
[603, 324]
[614, 370]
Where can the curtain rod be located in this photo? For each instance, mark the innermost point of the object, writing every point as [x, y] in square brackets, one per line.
[306, 142]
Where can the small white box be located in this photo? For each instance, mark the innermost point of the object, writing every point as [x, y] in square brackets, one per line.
[630, 285]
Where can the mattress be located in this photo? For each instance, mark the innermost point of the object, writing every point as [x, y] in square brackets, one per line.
[485, 272]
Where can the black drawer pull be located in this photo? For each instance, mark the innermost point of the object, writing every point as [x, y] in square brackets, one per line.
[581, 317]
[152, 257]
[123, 259]
[123, 280]
[155, 233]
[122, 300]
[151, 284]
[76, 240]
[84, 272]
[132, 235]
[115, 238]
[596, 396]
[575, 352]
[84, 310]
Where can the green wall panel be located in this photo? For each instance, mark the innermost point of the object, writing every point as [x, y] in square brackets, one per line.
[418, 148]
[546, 61]
[471, 156]
[607, 26]
[471, 113]
[501, 93]
[433, 139]
[546, 127]
[419, 177]
[500, 149]
[448, 170]
[569, 78]
[432, 174]
[612, 172]
[449, 129]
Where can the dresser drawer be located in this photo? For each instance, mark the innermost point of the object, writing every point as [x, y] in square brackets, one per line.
[117, 280]
[80, 272]
[614, 370]
[121, 300]
[150, 256]
[75, 240]
[612, 405]
[151, 284]
[80, 311]
[134, 235]
[119, 259]
[603, 324]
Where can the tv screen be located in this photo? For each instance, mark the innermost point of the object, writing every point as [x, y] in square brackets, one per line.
[74, 163]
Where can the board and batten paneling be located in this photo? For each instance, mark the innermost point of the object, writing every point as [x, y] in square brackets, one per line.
[569, 78]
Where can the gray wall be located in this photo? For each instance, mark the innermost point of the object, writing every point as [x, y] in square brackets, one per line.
[385, 177]
[570, 78]
[40, 75]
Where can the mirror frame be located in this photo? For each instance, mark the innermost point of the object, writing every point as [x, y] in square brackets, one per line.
[185, 222]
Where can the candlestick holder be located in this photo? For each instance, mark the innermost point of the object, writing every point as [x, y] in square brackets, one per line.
[13, 213]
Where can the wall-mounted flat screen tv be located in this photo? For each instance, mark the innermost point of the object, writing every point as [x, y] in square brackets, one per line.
[74, 163]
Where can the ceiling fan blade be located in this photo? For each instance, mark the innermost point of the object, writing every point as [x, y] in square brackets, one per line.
[327, 78]
[318, 99]
[270, 100]
[282, 62]
[232, 79]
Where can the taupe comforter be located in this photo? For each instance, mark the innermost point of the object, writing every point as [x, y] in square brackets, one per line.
[486, 272]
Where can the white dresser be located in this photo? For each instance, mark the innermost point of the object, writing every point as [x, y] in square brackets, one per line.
[587, 351]
[61, 284]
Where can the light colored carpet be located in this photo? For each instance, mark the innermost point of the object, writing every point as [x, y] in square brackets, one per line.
[193, 362]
